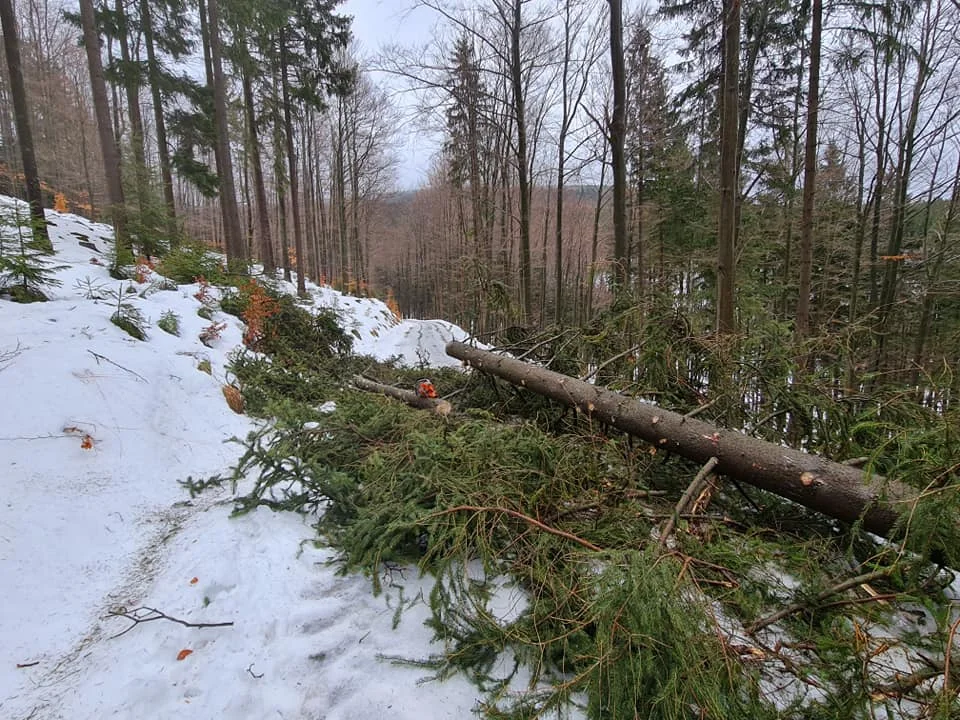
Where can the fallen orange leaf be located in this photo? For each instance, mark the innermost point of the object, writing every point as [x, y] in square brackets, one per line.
[194, 581]
[183, 653]
[87, 442]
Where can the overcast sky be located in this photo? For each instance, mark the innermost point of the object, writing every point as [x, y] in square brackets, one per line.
[377, 23]
[380, 22]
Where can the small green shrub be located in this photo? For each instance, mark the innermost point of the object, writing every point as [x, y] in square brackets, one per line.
[129, 326]
[24, 260]
[127, 317]
[189, 261]
[296, 337]
[234, 302]
[25, 294]
[91, 289]
[205, 312]
[169, 322]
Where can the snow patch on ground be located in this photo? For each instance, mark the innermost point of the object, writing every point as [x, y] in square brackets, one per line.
[97, 429]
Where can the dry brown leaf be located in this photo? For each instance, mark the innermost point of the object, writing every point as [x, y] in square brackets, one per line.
[234, 398]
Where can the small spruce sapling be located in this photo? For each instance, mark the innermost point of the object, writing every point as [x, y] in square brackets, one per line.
[91, 289]
[169, 322]
[24, 264]
[127, 317]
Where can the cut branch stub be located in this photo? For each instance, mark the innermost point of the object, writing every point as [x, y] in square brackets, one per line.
[836, 490]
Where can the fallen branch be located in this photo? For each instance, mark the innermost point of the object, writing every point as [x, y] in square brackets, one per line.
[100, 357]
[609, 361]
[834, 590]
[839, 491]
[440, 407]
[697, 410]
[519, 516]
[8, 356]
[856, 462]
[695, 488]
[148, 614]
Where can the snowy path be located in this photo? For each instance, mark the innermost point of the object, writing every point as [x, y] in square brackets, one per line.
[95, 430]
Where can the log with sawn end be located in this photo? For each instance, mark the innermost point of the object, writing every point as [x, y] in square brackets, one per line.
[440, 407]
[839, 491]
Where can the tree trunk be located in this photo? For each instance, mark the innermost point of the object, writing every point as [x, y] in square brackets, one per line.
[802, 327]
[523, 178]
[440, 407]
[235, 246]
[163, 151]
[595, 239]
[308, 128]
[726, 258]
[108, 145]
[292, 165]
[325, 270]
[840, 491]
[131, 86]
[259, 188]
[11, 45]
[617, 136]
[339, 179]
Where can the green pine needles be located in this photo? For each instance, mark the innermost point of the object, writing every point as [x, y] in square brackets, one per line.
[518, 499]
[621, 628]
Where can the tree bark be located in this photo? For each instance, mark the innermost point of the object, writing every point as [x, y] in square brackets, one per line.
[11, 45]
[131, 86]
[523, 167]
[163, 149]
[440, 407]
[840, 491]
[802, 326]
[617, 136]
[235, 246]
[292, 165]
[108, 145]
[726, 257]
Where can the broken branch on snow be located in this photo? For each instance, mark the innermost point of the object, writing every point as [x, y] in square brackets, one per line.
[147, 614]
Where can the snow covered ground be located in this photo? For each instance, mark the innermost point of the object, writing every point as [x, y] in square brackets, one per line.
[96, 428]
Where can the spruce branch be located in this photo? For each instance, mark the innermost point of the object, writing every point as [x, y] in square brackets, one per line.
[519, 516]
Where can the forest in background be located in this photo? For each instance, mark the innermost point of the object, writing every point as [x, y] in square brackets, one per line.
[809, 179]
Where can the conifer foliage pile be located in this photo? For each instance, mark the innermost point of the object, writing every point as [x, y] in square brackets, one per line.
[547, 506]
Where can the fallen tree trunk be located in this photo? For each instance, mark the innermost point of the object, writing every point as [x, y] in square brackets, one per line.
[440, 407]
[840, 491]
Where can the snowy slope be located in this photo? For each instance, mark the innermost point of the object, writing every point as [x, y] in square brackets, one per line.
[89, 530]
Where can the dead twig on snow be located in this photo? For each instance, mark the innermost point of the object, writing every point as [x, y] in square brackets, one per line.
[148, 614]
[100, 357]
[8, 356]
